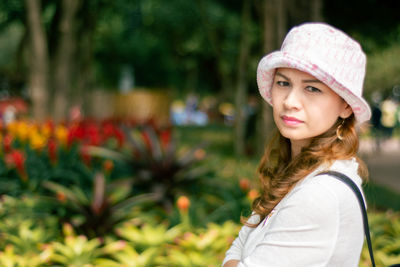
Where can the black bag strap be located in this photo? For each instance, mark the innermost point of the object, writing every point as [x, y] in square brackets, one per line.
[340, 176]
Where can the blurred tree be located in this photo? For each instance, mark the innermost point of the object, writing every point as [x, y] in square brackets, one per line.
[376, 20]
[190, 46]
[57, 62]
[376, 24]
[242, 81]
[383, 70]
[208, 15]
[38, 76]
[65, 57]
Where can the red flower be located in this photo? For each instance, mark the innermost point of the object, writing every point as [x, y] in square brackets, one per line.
[85, 155]
[119, 136]
[108, 129]
[93, 135]
[16, 159]
[76, 132]
[7, 142]
[146, 139]
[95, 139]
[165, 137]
[52, 149]
[19, 159]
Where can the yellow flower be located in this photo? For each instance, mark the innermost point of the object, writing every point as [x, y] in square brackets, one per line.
[37, 141]
[22, 130]
[46, 130]
[61, 134]
[12, 128]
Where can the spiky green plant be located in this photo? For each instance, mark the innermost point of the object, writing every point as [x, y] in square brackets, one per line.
[159, 165]
[96, 212]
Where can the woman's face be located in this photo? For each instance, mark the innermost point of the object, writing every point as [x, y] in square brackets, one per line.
[304, 107]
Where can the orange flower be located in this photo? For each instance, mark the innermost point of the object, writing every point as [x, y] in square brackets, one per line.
[244, 184]
[183, 203]
[200, 154]
[108, 165]
[61, 197]
[252, 194]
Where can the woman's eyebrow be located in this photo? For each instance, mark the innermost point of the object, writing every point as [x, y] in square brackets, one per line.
[311, 81]
[304, 81]
[283, 76]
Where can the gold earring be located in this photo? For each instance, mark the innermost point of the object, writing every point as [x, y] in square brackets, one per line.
[338, 131]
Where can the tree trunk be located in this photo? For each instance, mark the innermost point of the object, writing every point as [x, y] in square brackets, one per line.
[22, 53]
[316, 10]
[38, 75]
[84, 54]
[241, 86]
[64, 59]
[281, 22]
[83, 72]
[275, 27]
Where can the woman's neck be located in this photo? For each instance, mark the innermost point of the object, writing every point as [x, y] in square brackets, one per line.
[296, 146]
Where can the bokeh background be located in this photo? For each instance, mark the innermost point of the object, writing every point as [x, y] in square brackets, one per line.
[131, 130]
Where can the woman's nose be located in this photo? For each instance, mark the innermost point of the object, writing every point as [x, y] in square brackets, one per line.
[292, 99]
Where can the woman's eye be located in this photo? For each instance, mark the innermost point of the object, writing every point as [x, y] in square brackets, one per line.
[282, 83]
[313, 89]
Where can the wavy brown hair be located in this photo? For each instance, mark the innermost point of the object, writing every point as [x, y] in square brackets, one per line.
[279, 172]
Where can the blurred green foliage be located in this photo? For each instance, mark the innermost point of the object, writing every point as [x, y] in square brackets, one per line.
[190, 45]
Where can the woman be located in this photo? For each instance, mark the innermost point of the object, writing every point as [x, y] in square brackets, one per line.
[314, 84]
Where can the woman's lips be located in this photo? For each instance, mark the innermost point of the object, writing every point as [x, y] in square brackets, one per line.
[291, 121]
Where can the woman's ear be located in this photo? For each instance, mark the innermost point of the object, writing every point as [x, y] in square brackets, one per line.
[346, 112]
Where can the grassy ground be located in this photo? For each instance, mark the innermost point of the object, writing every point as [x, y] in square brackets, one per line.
[222, 160]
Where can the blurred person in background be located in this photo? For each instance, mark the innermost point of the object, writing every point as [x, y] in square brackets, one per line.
[388, 118]
[376, 124]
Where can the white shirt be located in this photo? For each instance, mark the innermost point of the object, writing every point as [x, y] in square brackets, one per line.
[318, 223]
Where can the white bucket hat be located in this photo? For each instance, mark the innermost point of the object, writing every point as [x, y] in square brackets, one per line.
[326, 53]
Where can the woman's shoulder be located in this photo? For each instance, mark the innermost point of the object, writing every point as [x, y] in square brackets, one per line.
[327, 187]
[316, 201]
[347, 167]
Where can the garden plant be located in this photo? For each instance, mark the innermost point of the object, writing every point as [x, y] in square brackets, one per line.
[94, 194]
